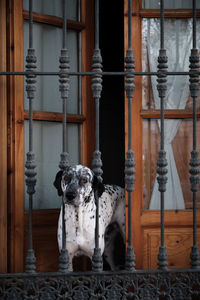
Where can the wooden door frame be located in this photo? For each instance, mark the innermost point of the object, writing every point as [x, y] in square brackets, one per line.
[3, 142]
[15, 88]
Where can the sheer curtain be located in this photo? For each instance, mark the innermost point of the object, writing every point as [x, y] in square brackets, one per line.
[178, 42]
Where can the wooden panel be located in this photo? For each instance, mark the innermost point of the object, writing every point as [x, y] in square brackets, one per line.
[16, 129]
[44, 239]
[178, 237]
[178, 243]
[3, 143]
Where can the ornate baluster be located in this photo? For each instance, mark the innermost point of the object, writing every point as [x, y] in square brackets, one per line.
[194, 161]
[64, 162]
[162, 161]
[97, 264]
[130, 163]
[30, 162]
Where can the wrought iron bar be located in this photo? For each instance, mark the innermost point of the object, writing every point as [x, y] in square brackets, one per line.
[30, 162]
[162, 161]
[129, 163]
[64, 162]
[97, 263]
[194, 161]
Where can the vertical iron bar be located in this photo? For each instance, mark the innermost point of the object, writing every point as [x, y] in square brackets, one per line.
[80, 80]
[30, 162]
[194, 161]
[162, 161]
[64, 162]
[129, 163]
[97, 263]
[30, 24]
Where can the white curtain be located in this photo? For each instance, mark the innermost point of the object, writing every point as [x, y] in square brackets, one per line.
[178, 38]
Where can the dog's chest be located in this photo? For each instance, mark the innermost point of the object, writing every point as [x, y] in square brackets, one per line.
[82, 223]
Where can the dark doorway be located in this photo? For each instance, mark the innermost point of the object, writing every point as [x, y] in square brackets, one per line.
[112, 101]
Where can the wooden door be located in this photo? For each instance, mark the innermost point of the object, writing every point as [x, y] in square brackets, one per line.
[145, 137]
[46, 118]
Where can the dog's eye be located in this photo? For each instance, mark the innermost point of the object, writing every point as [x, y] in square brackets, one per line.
[67, 178]
[83, 180]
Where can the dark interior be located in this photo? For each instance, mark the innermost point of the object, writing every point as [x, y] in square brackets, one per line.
[112, 100]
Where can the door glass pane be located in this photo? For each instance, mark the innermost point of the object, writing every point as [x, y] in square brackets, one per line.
[47, 146]
[48, 42]
[53, 8]
[169, 4]
[178, 43]
[178, 145]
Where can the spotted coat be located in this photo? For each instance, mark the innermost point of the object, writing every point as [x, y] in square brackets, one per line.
[77, 186]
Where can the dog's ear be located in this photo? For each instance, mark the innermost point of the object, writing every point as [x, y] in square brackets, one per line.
[57, 183]
[98, 186]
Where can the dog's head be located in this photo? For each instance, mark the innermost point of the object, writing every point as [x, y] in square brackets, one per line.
[77, 184]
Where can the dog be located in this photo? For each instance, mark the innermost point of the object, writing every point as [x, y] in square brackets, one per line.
[78, 185]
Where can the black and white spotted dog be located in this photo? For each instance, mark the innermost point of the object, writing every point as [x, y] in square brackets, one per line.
[77, 185]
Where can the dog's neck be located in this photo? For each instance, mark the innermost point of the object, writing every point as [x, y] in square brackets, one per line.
[89, 197]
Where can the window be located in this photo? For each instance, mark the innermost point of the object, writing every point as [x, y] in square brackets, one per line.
[47, 39]
[178, 103]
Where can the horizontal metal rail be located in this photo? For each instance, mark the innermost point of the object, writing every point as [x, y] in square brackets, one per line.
[103, 73]
[142, 285]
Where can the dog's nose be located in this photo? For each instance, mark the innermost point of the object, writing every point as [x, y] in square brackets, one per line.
[70, 195]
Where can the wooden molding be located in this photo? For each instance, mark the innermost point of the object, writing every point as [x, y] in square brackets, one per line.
[54, 117]
[169, 114]
[52, 20]
[177, 218]
[169, 13]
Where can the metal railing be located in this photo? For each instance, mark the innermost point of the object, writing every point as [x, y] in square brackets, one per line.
[98, 284]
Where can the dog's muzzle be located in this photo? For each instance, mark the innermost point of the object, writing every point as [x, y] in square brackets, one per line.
[70, 196]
